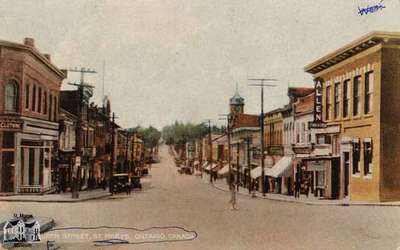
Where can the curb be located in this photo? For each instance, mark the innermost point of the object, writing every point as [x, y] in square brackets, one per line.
[315, 203]
[58, 201]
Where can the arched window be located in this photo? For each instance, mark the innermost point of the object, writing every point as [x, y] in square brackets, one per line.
[11, 96]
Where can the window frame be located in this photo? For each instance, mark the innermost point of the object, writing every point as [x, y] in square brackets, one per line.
[14, 97]
[336, 106]
[368, 156]
[346, 98]
[328, 103]
[368, 93]
[355, 157]
[357, 96]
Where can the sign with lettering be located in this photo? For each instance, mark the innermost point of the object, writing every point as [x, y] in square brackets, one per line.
[318, 101]
[10, 124]
[317, 123]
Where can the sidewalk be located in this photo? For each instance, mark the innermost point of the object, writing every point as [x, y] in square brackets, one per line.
[64, 197]
[221, 185]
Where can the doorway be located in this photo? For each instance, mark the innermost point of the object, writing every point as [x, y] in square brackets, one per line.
[346, 169]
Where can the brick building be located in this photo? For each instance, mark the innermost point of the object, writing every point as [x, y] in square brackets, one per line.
[359, 103]
[29, 89]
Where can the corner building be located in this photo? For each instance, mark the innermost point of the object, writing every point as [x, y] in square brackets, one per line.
[29, 100]
[361, 97]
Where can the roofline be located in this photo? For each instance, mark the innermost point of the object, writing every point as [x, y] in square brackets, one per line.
[35, 52]
[369, 40]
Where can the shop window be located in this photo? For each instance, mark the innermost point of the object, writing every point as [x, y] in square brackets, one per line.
[356, 156]
[346, 98]
[369, 85]
[8, 140]
[31, 168]
[11, 96]
[367, 156]
[337, 100]
[328, 103]
[356, 95]
[27, 96]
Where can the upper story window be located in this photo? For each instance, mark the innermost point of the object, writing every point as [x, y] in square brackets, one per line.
[40, 100]
[34, 98]
[369, 87]
[337, 99]
[45, 103]
[356, 95]
[346, 98]
[328, 103]
[11, 96]
[27, 93]
[50, 107]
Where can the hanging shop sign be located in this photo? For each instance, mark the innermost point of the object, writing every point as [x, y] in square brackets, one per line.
[317, 123]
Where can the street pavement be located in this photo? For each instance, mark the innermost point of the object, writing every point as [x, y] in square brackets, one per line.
[174, 203]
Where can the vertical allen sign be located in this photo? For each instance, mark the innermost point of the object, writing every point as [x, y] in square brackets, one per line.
[318, 101]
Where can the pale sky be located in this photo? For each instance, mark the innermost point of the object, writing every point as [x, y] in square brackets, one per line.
[180, 60]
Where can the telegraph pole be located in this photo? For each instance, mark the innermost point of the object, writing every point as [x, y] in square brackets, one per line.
[210, 146]
[112, 155]
[230, 176]
[262, 85]
[248, 138]
[78, 130]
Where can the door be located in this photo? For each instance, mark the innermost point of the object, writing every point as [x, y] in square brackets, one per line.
[335, 178]
[346, 169]
[7, 171]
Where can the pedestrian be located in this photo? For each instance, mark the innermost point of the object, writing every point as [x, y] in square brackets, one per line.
[297, 189]
[128, 188]
[307, 186]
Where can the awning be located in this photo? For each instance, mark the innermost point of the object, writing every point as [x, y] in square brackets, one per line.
[224, 170]
[256, 172]
[281, 168]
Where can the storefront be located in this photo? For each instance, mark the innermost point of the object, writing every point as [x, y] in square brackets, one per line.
[27, 155]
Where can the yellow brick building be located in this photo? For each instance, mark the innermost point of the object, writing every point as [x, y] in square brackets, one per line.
[361, 95]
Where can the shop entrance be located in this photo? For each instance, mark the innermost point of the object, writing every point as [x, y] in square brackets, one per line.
[7, 171]
[7, 161]
[335, 178]
[346, 158]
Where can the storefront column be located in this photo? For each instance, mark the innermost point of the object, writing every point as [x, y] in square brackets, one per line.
[26, 165]
[37, 162]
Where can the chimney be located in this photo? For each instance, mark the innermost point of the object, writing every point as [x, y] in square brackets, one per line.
[48, 56]
[29, 41]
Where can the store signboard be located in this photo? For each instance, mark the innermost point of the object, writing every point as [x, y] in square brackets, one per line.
[317, 123]
[10, 124]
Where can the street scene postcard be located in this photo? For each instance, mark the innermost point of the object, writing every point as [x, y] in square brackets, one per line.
[199, 124]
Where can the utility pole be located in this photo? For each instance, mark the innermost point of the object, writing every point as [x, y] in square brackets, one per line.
[78, 130]
[210, 148]
[262, 85]
[248, 138]
[230, 176]
[112, 155]
[237, 166]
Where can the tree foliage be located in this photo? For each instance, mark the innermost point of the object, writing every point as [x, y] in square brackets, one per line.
[179, 133]
[151, 136]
